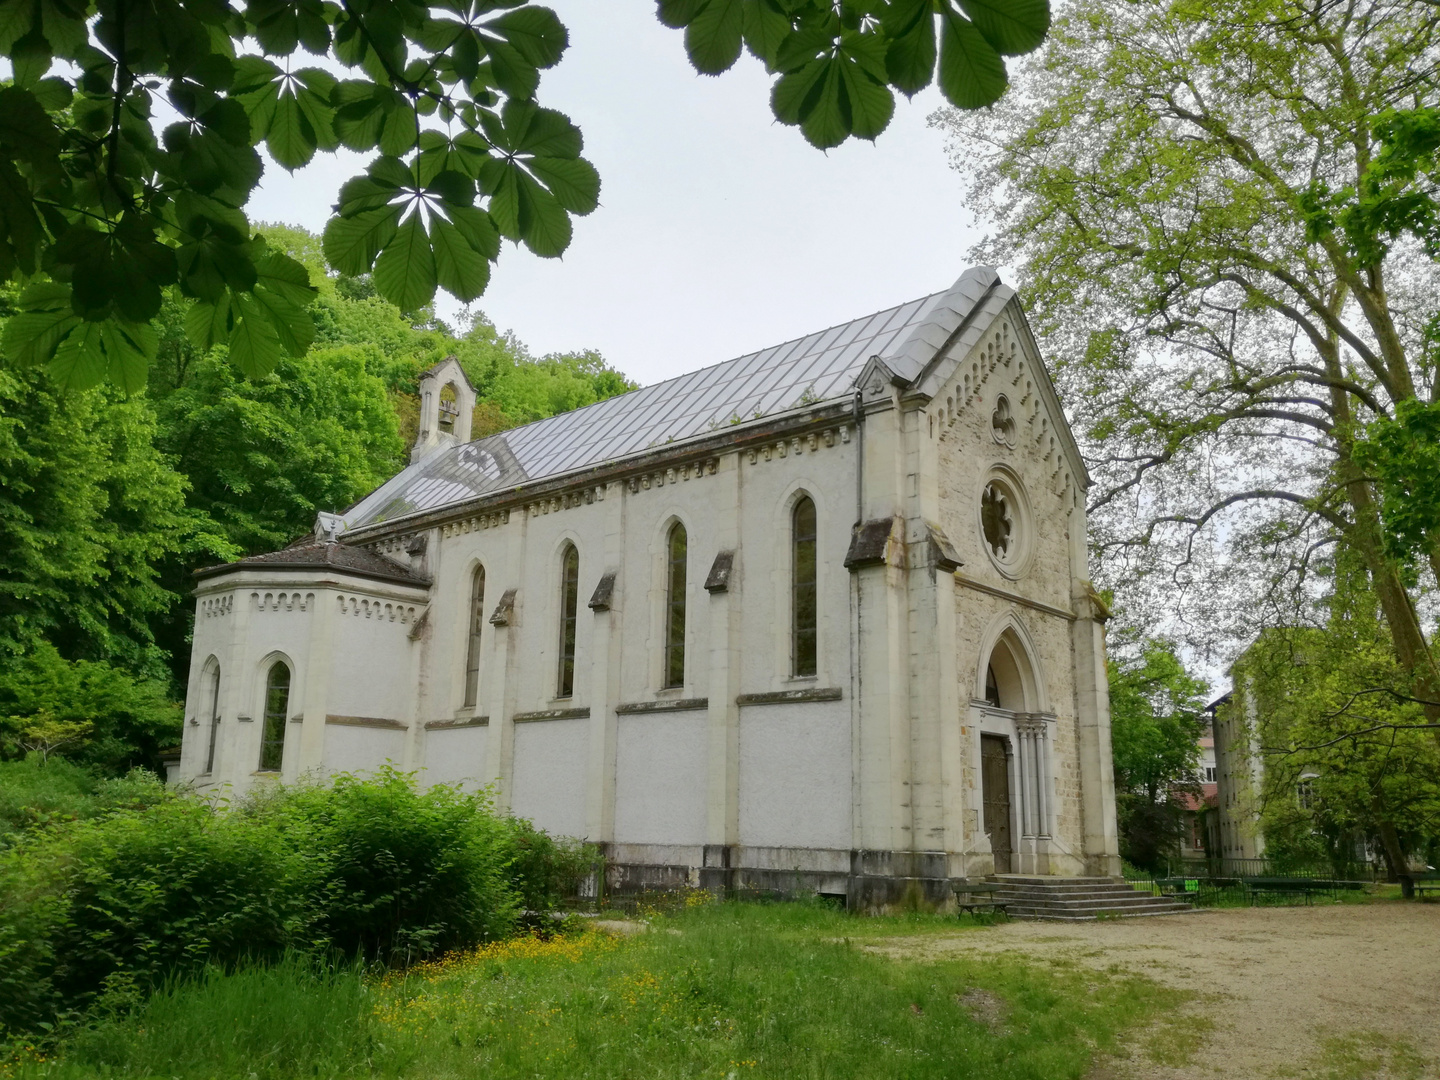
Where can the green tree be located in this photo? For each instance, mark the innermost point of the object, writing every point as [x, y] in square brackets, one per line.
[1156, 720]
[1223, 346]
[1345, 753]
[262, 455]
[102, 210]
[88, 712]
[88, 509]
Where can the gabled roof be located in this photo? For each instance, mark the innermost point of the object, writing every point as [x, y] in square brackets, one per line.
[324, 556]
[820, 367]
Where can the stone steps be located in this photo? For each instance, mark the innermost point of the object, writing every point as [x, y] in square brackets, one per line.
[1076, 899]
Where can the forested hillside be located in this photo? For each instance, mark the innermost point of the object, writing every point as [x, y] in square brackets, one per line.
[108, 503]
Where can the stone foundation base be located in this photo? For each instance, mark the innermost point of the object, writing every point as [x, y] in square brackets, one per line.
[864, 880]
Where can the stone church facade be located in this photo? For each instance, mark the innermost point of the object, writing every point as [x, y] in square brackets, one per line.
[814, 618]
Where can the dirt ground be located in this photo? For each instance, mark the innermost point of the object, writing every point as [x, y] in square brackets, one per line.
[1334, 992]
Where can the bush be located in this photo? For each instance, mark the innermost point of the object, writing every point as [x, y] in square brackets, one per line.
[37, 792]
[120, 902]
[397, 874]
[104, 910]
[545, 870]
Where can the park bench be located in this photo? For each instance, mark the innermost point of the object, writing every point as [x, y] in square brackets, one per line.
[1287, 886]
[1172, 886]
[979, 896]
[1420, 884]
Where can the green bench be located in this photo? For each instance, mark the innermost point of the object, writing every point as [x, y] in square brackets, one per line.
[1174, 886]
[979, 896]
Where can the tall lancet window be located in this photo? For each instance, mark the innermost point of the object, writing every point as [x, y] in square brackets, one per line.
[569, 608]
[214, 718]
[803, 612]
[675, 607]
[472, 648]
[277, 706]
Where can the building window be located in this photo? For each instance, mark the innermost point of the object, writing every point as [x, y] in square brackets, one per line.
[472, 649]
[675, 607]
[1305, 793]
[277, 707]
[569, 607]
[1207, 774]
[804, 614]
[214, 718]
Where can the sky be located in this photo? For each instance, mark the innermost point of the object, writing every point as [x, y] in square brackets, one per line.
[719, 230]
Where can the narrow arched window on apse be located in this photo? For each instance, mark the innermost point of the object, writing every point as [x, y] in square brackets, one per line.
[472, 647]
[675, 558]
[804, 615]
[214, 718]
[277, 708]
[569, 609]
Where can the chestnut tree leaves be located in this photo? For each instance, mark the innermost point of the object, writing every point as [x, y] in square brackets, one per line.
[837, 63]
[129, 146]
[130, 136]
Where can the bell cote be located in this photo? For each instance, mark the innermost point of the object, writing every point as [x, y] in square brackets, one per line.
[447, 402]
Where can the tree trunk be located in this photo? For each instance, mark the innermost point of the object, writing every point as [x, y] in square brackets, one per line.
[1390, 841]
[1364, 535]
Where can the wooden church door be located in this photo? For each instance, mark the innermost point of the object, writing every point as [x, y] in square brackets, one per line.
[995, 793]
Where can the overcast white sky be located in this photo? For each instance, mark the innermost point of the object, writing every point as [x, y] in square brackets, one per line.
[719, 231]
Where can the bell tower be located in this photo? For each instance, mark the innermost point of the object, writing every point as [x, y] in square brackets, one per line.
[447, 403]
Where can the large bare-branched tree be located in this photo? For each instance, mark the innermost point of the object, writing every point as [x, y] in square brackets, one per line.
[1167, 175]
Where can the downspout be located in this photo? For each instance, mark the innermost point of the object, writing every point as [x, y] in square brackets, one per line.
[859, 459]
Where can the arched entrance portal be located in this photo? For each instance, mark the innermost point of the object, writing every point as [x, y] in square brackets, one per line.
[1015, 755]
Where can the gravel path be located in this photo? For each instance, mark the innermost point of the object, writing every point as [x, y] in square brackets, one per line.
[1335, 991]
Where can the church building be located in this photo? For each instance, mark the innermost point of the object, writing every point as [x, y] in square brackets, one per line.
[815, 618]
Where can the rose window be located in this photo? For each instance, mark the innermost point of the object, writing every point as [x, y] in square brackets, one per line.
[997, 520]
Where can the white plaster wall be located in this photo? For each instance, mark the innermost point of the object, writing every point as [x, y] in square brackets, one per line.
[659, 779]
[548, 779]
[795, 767]
[525, 554]
[360, 750]
[456, 756]
[370, 672]
[769, 490]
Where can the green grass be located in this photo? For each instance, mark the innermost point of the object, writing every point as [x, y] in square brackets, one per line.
[742, 990]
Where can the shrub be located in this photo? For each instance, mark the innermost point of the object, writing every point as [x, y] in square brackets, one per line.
[123, 901]
[101, 911]
[39, 792]
[543, 869]
[397, 874]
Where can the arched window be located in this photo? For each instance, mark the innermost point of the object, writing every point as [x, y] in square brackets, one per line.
[277, 708]
[569, 608]
[472, 649]
[675, 607]
[214, 718]
[803, 614]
